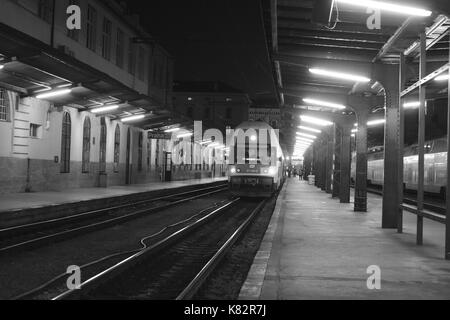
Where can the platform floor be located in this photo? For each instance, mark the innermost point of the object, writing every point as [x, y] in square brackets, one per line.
[318, 248]
[13, 201]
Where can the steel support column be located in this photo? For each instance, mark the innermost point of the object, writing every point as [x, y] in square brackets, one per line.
[360, 204]
[401, 143]
[329, 145]
[391, 148]
[346, 159]
[337, 161]
[421, 139]
[323, 167]
[447, 189]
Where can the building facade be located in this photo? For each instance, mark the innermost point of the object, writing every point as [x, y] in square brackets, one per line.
[57, 143]
[216, 104]
[271, 116]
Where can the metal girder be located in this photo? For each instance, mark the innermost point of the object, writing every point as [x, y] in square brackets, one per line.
[341, 54]
[329, 43]
[335, 97]
[389, 45]
[274, 24]
[333, 35]
[425, 79]
[345, 27]
[307, 60]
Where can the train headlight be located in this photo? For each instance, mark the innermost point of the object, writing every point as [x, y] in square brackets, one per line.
[273, 170]
[238, 170]
[232, 170]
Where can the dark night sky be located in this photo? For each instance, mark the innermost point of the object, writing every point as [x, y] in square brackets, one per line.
[212, 40]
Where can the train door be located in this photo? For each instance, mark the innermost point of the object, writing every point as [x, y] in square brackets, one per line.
[127, 168]
[167, 168]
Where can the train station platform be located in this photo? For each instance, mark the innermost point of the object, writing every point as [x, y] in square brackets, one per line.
[21, 201]
[318, 248]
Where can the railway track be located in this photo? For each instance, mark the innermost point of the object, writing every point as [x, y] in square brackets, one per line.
[176, 266]
[408, 199]
[15, 239]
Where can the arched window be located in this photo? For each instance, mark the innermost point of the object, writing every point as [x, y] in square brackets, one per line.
[140, 144]
[116, 149]
[102, 160]
[66, 134]
[4, 105]
[86, 145]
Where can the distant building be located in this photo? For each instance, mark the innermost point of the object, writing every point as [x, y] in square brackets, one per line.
[215, 103]
[271, 116]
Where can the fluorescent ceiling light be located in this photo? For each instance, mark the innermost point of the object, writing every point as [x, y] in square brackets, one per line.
[185, 135]
[412, 104]
[133, 118]
[104, 109]
[353, 135]
[324, 103]
[339, 75]
[2, 66]
[54, 93]
[442, 77]
[407, 10]
[316, 121]
[309, 129]
[304, 139]
[375, 122]
[306, 135]
[172, 130]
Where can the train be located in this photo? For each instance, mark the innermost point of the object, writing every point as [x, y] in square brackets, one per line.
[257, 174]
[435, 167]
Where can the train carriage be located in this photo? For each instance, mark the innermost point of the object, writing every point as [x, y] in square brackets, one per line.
[256, 162]
[435, 170]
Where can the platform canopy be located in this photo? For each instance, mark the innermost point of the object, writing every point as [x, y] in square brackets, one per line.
[305, 34]
[31, 67]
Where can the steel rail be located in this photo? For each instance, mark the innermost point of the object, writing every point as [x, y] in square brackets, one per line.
[95, 226]
[20, 229]
[131, 261]
[192, 288]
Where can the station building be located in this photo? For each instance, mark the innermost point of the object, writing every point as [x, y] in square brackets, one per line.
[216, 104]
[57, 142]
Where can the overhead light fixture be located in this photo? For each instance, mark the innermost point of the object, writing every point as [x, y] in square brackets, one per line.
[442, 77]
[407, 10]
[353, 135]
[317, 121]
[298, 139]
[339, 75]
[309, 129]
[104, 109]
[172, 130]
[2, 66]
[185, 135]
[412, 104]
[376, 122]
[133, 118]
[324, 103]
[354, 130]
[306, 135]
[54, 93]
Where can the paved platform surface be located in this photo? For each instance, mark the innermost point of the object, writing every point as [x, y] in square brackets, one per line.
[318, 248]
[38, 199]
